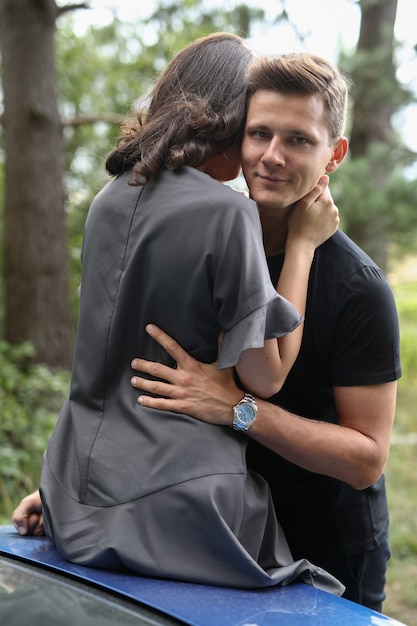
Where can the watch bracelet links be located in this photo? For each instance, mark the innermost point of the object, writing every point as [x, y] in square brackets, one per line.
[248, 397]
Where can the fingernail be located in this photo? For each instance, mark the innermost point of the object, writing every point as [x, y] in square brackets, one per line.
[134, 363]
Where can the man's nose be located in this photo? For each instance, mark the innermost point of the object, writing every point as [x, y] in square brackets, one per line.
[274, 154]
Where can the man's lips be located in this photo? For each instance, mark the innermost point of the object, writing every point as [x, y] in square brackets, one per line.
[267, 178]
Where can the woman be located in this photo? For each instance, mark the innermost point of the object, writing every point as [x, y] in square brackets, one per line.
[165, 241]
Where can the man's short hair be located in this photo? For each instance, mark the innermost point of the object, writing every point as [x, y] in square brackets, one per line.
[304, 73]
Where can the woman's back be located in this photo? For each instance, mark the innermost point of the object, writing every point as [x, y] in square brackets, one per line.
[126, 486]
[181, 253]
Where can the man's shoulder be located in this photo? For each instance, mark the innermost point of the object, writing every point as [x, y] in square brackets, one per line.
[341, 266]
[346, 251]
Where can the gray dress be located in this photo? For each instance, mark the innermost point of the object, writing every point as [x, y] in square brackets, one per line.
[161, 493]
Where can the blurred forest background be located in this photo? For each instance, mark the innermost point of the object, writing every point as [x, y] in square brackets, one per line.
[64, 96]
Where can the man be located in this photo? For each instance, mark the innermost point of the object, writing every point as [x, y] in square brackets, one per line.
[324, 468]
[322, 442]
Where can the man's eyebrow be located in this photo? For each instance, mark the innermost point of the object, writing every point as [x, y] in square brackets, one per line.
[287, 131]
[256, 124]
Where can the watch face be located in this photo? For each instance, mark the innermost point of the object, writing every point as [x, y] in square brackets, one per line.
[245, 413]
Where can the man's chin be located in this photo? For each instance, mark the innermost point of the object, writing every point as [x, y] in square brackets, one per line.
[270, 200]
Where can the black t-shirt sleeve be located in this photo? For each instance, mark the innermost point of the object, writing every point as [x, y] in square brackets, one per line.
[366, 342]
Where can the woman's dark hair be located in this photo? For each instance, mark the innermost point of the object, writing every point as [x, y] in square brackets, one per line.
[196, 109]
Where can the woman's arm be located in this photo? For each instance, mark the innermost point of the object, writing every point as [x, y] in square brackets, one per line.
[307, 230]
[313, 220]
[27, 516]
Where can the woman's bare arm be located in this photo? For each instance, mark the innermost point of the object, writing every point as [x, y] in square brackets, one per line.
[312, 221]
[27, 516]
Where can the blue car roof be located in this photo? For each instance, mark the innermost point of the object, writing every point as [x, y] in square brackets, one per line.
[203, 605]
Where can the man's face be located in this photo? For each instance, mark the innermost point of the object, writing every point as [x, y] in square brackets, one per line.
[285, 147]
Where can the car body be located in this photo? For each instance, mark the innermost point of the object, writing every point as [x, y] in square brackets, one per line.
[32, 573]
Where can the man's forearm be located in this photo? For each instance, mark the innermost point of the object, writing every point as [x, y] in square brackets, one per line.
[329, 449]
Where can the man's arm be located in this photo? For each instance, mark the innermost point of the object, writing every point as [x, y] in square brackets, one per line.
[354, 451]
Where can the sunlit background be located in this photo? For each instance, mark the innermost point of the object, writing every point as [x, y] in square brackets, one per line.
[324, 27]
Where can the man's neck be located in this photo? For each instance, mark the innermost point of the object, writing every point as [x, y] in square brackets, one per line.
[274, 228]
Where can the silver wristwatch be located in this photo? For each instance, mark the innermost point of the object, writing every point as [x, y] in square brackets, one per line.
[244, 413]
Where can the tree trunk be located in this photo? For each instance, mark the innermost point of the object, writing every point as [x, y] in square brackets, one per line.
[36, 272]
[372, 111]
[375, 89]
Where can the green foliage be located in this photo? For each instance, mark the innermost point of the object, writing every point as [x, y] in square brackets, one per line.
[402, 491]
[406, 295]
[178, 23]
[400, 471]
[400, 474]
[30, 399]
[1, 243]
[401, 603]
[366, 208]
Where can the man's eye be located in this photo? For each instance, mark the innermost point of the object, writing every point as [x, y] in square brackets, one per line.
[260, 134]
[299, 140]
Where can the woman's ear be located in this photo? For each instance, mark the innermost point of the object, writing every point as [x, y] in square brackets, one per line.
[338, 155]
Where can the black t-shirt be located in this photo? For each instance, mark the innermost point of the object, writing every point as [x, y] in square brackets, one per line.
[351, 337]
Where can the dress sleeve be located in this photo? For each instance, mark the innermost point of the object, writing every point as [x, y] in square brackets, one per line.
[275, 318]
[249, 310]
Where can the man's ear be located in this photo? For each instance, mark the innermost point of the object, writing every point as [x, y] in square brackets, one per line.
[338, 155]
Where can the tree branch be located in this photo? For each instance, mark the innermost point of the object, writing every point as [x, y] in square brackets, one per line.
[107, 118]
[71, 7]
